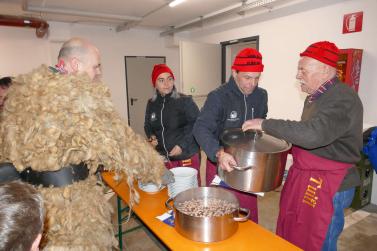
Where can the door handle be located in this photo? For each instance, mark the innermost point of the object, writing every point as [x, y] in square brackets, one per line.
[133, 100]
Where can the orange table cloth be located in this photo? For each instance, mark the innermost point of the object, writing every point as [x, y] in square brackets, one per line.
[249, 236]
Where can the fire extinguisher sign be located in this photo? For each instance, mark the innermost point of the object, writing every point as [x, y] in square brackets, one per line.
[353, 22]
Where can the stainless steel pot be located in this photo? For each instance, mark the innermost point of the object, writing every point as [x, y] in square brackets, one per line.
[260, 160]
[207, 229]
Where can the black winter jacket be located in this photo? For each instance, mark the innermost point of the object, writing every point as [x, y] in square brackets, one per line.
[171, 121]
[227, 107]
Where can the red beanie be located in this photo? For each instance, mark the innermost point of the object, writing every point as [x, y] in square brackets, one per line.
[157, 70]
[323, 51]
[248, 60]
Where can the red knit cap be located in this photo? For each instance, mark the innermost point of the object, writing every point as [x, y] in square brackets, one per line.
[157, 70]
[323, 51]
[248, 60]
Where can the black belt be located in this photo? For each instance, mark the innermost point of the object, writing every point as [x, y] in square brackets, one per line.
[8, 172]
[62, 177]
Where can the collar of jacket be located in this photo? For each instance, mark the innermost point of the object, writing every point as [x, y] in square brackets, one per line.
[232, 85]
[160, 98]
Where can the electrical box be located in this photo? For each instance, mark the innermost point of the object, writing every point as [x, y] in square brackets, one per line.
[349, 67]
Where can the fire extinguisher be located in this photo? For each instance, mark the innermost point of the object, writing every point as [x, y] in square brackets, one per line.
[351, 25]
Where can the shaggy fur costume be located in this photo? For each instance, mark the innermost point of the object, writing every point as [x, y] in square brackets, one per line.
[78, 217]
[52, 120]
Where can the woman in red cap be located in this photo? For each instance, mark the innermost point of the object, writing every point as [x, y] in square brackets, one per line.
[169, 119]
[229, 106]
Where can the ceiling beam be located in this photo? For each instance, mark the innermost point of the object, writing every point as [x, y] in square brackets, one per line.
[240, 8]
[70, 12]
[129, 25]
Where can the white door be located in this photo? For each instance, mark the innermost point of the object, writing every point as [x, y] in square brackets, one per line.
[200, 69]
[139, 88]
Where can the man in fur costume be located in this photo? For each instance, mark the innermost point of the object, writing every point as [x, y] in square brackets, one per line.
[57, 126]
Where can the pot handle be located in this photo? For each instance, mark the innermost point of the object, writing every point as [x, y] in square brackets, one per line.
[167, 205]
[242, 168]
[244, 218]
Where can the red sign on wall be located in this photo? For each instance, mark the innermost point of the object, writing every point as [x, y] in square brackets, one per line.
[353, 22]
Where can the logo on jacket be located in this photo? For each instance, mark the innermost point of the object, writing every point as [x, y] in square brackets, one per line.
[233, 116]
[153, 116]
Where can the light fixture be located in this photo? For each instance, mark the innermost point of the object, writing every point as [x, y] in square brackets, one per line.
[175, 3]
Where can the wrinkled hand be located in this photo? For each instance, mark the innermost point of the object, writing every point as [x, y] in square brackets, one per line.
[225, 161]
[167, 177]
[153, 141]
[255, 124]
[177, 150]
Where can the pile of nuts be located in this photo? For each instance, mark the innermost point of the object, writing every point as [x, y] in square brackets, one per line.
[209, 207]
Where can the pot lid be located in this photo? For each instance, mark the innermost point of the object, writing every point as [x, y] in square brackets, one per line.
[254, 141]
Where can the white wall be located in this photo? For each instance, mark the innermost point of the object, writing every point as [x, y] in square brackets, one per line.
[281, 40]
[21, 51]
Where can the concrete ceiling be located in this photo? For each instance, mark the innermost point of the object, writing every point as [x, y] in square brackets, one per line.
[145, 13]
[153, 14]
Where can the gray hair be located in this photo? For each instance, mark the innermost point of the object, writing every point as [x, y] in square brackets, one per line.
[21, 215]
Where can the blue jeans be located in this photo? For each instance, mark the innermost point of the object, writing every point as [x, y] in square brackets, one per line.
[341, 201]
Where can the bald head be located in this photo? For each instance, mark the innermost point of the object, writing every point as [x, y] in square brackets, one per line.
[78, 56]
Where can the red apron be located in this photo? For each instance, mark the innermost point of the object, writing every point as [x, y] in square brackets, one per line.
[193, 162]
[306, 202]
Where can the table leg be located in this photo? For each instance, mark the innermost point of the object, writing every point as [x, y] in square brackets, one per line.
[120, 229]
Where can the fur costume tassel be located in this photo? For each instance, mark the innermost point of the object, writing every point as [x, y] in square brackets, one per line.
[78, 217]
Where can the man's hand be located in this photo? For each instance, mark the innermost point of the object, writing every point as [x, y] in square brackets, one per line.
[255, 124]
[225, 160]
[177, 150]
[153, 140]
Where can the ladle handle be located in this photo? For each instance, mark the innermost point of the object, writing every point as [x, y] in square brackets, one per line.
[167, 205]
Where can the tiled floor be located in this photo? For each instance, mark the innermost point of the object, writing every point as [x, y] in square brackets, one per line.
[360, 233]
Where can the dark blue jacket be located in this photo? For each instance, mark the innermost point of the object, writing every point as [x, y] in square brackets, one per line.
[227, 107]
[171, 121]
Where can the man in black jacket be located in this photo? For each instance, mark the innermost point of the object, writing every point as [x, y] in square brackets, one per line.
[229, 106]
[327, 144]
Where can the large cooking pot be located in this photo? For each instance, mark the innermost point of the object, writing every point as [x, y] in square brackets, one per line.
[260, 160]
[210, 228]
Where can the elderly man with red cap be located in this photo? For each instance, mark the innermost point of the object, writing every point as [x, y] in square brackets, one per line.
[169, 119]
[327, 144]
[229, 106]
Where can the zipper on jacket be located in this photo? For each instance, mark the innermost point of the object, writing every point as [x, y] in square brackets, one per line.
[244, 100]
[252, 109]
[163, 130]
